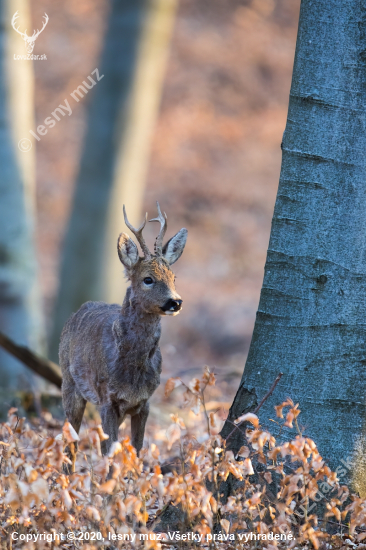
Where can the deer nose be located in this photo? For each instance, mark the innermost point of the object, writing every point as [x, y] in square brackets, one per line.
[172, 305]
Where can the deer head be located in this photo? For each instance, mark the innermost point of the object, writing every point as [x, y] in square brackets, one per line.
[29, 40]
[152, 281]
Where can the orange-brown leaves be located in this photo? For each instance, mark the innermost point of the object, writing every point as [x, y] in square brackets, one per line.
[171, 384]
[69, 433]
[291, 415]
[279, 482]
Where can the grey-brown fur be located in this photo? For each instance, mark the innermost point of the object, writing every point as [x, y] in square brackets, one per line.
[110, 355]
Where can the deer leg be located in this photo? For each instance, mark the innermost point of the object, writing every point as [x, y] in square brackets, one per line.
[110, 423]
[138, 422]
[74, 406]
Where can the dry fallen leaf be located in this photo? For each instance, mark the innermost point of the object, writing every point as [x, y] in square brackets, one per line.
[244, 451]
[171, 384]
[102, 436]
[173, 434]
[268, 477]
[175, 418]
[248, 467]
[225, 525]
[93, 513]
[67, 500]
[195, 385]
[40, 488]
[69, 433]
[212, 420]
[108, 486]
[208, 377]
[248, 417]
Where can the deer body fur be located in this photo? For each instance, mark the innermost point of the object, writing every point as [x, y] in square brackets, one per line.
[110, 355]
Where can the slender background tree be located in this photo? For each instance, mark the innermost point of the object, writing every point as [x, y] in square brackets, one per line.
[20, 307]
[115, 155]
[310, 322]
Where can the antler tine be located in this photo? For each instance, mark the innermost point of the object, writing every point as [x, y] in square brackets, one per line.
[138, 233]
[158, 246]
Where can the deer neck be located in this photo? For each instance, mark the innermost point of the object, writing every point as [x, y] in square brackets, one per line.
[136, 320]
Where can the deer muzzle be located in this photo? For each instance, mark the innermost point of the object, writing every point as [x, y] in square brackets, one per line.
[172, 307]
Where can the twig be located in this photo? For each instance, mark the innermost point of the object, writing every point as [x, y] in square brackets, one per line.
[341, 524]
[43, 367]
[236, 427]
[268, 394]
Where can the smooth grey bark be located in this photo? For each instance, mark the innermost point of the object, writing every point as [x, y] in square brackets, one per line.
[311, 320]
[20, 307]
[115, 156]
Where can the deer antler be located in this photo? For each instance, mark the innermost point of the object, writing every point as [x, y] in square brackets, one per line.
[36, 34]
[158, 246]
[138, 234]
[13, 21]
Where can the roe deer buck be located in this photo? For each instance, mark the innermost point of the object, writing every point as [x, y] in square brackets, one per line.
[110, 355]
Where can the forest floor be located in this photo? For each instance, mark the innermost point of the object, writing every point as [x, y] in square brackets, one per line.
[187, 489]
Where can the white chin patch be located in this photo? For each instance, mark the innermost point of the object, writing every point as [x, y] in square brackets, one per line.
[171, 312]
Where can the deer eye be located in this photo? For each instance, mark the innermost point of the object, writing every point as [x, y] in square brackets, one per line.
[148, 281]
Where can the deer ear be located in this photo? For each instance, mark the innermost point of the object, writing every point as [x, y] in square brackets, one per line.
[173, 249]
[127, 250]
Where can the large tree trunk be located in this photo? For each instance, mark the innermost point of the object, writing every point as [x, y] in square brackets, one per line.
[116, 153]
[20, 308]
[311, 322]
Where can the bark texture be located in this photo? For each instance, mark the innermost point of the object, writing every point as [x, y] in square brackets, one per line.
[311, 322]
[20, 307]
[116, 154]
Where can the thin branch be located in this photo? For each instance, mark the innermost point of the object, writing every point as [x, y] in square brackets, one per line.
[341, 524]
[41, 366]
[236, 427]
[269, 393]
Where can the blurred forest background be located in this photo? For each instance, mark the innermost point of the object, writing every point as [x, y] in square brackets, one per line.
[213, 163]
